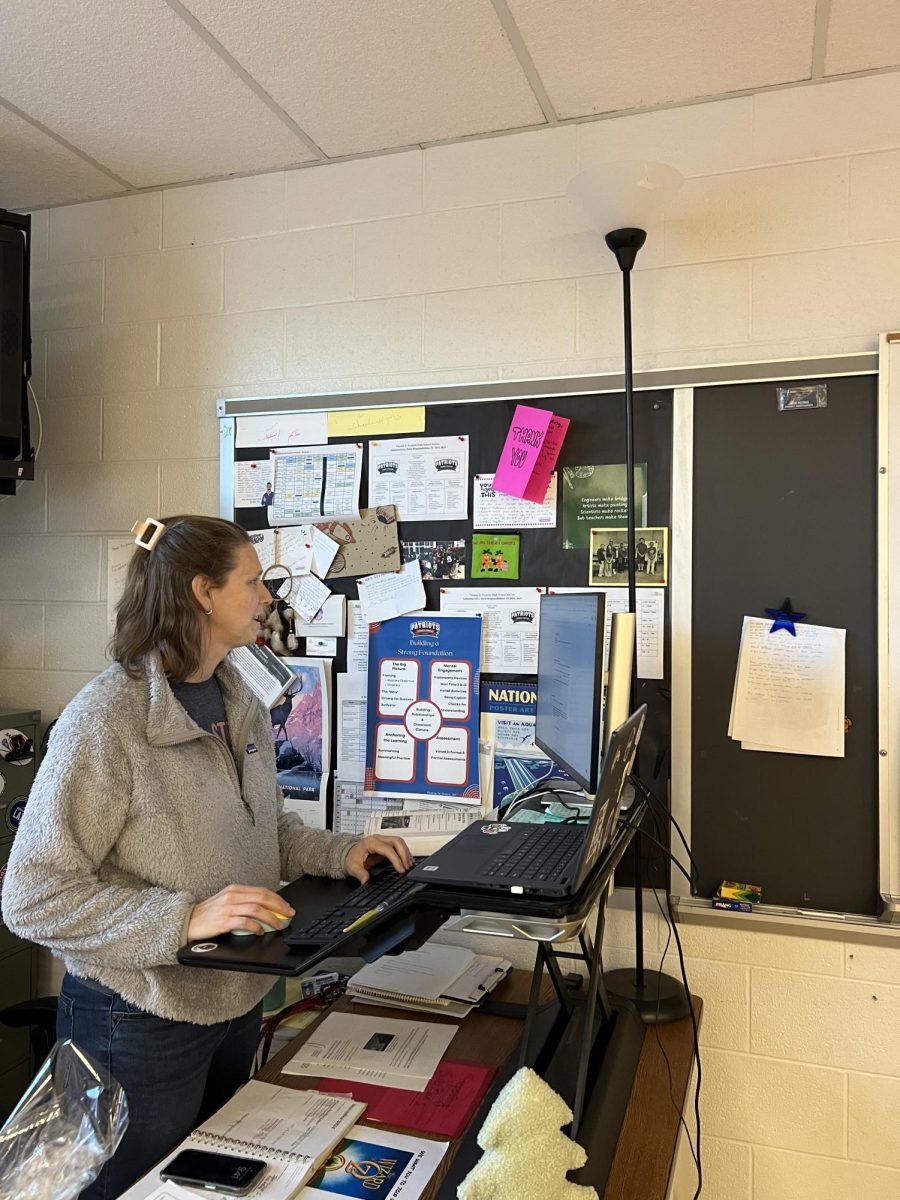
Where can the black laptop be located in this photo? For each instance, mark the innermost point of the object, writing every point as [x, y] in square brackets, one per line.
[546, 860]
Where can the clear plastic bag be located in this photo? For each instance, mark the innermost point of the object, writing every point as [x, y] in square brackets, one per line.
[62, 1131]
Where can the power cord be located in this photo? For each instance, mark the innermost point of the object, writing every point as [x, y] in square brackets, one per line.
[668, 916]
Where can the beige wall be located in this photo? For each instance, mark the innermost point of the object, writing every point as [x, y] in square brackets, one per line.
[466, 262]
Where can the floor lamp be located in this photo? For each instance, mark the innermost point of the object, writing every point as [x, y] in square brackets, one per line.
[622, 200]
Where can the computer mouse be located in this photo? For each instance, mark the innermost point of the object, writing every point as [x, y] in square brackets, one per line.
[249, 932]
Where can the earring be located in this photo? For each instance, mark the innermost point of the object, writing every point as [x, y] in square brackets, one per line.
[208, 611]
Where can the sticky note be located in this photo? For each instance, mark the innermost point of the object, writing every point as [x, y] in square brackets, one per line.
[369, 422]
[536, 489]
[521, 450]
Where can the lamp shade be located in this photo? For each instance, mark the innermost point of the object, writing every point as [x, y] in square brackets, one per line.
[617, 195]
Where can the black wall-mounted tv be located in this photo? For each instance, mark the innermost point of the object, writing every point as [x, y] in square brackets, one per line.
[16, 453]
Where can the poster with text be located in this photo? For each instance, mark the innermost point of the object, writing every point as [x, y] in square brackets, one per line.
[422, 720]
[594, 498]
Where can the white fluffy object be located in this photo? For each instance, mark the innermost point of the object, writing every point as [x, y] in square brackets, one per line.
[526, 1154]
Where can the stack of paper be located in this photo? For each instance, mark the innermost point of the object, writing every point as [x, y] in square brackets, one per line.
[443, 979]
[401, 1054]
[424, 831]
[789, 690]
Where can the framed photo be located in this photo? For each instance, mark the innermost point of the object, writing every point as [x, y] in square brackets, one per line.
[608, 563]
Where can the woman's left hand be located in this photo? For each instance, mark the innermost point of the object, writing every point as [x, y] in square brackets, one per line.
[372, 849]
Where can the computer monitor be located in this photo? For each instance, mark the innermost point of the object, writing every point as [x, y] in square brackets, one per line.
[570, 683]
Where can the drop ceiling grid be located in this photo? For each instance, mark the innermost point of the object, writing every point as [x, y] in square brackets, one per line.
[363, 77]
[130, 84]
[596, 58]
[863, 35]
[36, 169]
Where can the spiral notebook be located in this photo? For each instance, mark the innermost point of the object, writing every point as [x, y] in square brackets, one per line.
[293, 1131]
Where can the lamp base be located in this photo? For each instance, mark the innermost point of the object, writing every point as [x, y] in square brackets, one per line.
[661, 1000]
[625, 244]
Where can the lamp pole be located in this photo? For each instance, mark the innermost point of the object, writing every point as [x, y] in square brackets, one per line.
[659, 998]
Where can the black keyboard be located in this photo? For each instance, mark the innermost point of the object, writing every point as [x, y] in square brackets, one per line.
[386, 891]
[537, 857]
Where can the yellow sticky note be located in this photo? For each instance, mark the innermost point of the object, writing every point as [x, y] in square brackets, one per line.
[365, 422]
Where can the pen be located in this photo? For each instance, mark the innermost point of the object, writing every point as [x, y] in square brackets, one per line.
[365, 918]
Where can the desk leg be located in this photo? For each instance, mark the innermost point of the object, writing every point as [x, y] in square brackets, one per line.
[537, 975]
[587, 1045]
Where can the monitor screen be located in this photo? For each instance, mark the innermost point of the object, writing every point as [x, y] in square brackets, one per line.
[570, 683]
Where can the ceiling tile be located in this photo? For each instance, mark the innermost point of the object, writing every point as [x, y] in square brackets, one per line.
[359, 77]
[35, 170]
[135, 88]
[862, 34]
[603, 56]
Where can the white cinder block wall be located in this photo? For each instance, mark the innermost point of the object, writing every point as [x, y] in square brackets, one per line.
[465, 262]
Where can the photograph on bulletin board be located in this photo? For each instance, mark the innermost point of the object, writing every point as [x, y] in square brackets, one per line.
[609, 557]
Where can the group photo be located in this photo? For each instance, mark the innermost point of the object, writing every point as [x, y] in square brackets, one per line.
[609, 557]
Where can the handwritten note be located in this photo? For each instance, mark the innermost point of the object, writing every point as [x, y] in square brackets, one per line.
[291, 429]
[536, 490]
[375, 422]
[392, 594]
[521, 450]
[789, 691]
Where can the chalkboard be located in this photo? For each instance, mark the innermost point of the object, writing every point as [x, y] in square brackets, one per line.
[785, 505]
[596, 436]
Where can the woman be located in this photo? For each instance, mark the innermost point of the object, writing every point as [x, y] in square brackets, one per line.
[155, 820]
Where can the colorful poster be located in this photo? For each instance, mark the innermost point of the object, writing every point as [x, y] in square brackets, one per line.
[495, 556]
[594, 498]
[301, 725]
[508, 709]
[422, 719]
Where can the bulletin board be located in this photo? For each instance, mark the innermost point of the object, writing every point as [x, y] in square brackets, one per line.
[596, 436]
[785, 505]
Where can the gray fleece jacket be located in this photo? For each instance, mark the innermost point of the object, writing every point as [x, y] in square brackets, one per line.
[136, 815]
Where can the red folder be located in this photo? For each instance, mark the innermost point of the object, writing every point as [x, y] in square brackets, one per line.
[445, 1107]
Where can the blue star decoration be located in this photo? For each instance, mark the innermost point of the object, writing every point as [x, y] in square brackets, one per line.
[784, 618]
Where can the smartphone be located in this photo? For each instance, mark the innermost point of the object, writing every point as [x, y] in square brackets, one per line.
[213, 1171]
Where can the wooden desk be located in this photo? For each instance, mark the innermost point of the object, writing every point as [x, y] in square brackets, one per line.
[646, 1144]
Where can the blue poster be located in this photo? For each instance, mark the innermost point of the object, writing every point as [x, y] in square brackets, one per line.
[422, 719]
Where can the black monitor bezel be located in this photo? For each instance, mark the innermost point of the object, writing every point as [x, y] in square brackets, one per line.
[560, 599]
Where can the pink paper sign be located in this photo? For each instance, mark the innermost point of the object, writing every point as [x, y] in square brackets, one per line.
[521, 450]
[536, 491]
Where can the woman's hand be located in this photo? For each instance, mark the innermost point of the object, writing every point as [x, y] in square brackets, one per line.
[238, 907]
[372, 849]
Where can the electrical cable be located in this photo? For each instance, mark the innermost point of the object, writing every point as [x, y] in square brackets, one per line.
[672, 930]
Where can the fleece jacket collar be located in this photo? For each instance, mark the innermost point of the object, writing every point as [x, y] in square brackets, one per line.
[167, 722]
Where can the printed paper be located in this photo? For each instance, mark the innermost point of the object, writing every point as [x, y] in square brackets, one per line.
[321, 647]
[508, 712]
[392, 594]
[427, 479]
[650, 625]
[493, 510]
[252, 484]
[301, 725]
[422, 718]
[351, 727]
[118, 557]
[512, 618]
[321, 481]
[289, 429]
[595, 497]
[357, 639]
[327, 622]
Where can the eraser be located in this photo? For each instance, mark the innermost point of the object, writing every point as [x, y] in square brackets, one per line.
[732, 905]
[751, 892]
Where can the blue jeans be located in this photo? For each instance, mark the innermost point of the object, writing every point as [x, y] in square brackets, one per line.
[174, 1074]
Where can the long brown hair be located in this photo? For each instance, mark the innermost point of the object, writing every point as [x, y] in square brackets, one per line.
[158, 609]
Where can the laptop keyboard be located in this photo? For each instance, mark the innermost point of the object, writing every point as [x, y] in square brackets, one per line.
[389, 889]
[537, 857]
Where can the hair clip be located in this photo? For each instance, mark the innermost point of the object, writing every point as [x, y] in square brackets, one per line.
[147, 532]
